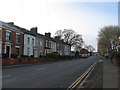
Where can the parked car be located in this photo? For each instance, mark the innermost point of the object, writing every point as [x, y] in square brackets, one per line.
[84, 56]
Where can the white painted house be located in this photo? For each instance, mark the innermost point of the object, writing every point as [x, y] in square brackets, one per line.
[40, 45]
[0, 39]
[0, 42]
[53, 46]
[39, 42]
[67, 50]
[29, 44]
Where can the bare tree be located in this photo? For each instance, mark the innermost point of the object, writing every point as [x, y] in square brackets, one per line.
[71, 37]
[59, 33]
[90, 48]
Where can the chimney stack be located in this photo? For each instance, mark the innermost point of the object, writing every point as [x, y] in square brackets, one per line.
[33, 29]
[48, 34]
[12, 23]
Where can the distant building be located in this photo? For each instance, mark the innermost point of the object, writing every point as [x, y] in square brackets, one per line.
[84, 53]
[72, 53]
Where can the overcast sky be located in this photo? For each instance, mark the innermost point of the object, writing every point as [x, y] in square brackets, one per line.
[86, 18]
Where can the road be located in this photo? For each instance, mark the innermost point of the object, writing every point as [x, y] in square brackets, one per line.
[60, 74]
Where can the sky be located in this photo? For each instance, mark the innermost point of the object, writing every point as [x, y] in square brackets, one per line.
[84, 17]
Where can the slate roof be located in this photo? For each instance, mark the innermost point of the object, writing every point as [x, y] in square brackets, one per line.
[23, 30]
[9, 26]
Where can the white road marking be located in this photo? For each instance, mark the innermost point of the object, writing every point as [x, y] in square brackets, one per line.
[5, 76]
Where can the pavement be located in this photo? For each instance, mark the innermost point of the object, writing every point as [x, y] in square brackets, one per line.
[105, 75]
[110, 74]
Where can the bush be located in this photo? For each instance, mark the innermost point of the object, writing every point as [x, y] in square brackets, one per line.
[65, 57]
[53, 55]
[115, 54]
[115, 57]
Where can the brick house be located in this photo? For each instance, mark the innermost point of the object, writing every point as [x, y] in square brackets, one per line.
[84, 52]
[60, 45]
[33, 42]
[47, 41]
[12, 40]
[17, 41]
[53, 45]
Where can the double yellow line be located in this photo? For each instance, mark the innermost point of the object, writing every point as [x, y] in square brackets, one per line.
[81, 78]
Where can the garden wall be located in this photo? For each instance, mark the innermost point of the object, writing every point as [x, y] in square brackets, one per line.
[15, 61]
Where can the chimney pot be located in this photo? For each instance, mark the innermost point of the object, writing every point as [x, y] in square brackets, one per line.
[48, 34]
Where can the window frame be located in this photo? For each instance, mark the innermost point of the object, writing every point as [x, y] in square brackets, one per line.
[8, 36]
[17, 39]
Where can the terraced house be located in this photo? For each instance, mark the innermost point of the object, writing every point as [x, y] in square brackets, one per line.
[12, 40]
[29, 44]
[0, 39]
[16, 41]
[47, 42]
[60, 45]
[39, 42]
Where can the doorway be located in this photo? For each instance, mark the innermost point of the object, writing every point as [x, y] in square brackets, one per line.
[7, 51]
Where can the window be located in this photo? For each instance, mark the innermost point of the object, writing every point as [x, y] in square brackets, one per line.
[32, 41]
[41, 43]
[8, 36]
[17, 51]
[49, 44]
[17, 38]
[46, 43]
[28, 50]
[37, 43]
[28, 40]
[58, 45]
[46, 51]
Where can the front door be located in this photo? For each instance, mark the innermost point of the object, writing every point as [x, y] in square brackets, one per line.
[8, 51]
[34, 52]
